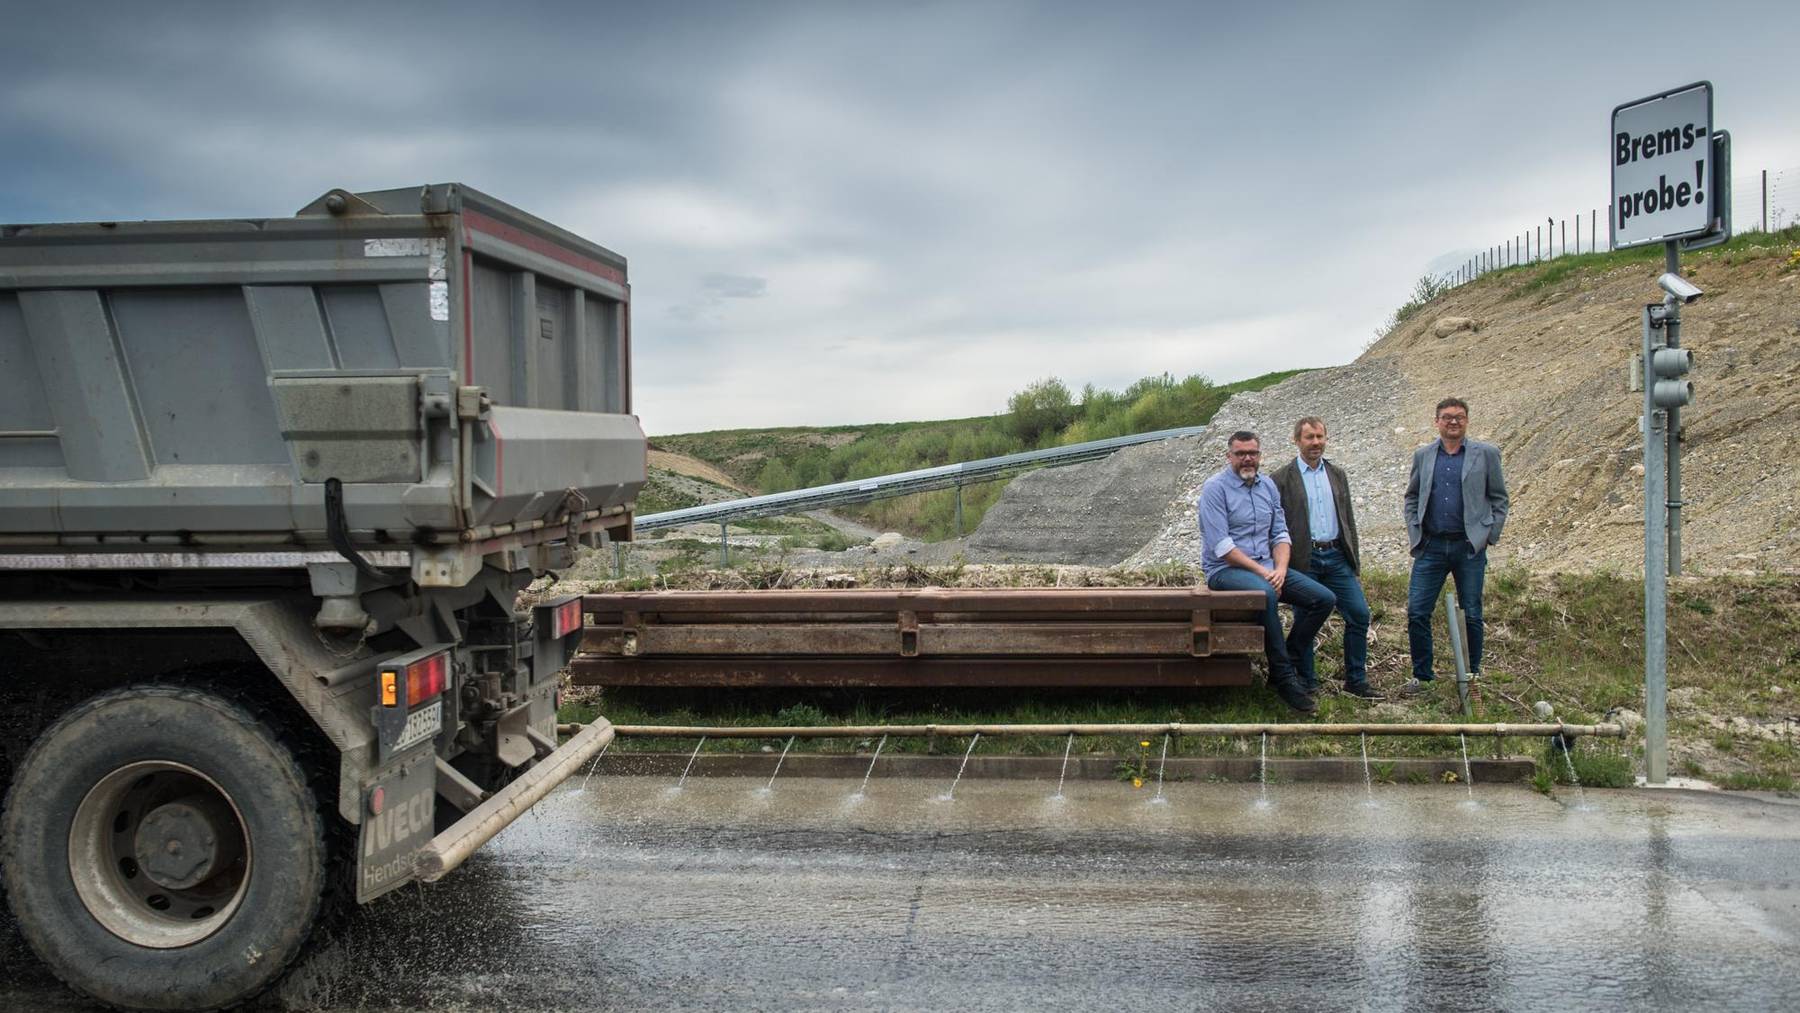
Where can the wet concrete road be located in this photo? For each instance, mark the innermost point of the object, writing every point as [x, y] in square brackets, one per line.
[630, 896]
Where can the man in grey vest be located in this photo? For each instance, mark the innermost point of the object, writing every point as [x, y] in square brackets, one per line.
[1315, 496]
[1455, 506]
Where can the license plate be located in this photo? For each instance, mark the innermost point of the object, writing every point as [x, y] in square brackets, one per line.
[421, 724]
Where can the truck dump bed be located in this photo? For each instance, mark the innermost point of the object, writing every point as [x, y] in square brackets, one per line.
[461, 368]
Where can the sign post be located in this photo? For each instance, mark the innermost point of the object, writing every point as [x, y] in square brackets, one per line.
[1670, 185]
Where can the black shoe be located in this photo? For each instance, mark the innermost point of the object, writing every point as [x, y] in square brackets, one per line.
[1294, 695]
[1363, 690]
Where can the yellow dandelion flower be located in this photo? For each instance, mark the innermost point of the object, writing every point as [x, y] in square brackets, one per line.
[1137, 782]
[1144, 743]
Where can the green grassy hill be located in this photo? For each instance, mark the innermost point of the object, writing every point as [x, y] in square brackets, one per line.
[1043, 414]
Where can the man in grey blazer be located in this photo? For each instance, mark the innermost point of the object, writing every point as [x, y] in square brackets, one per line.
[1455, 506]
[1315, 496]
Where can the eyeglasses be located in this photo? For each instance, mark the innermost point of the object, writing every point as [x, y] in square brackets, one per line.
[1453, 418]
[1246, 453]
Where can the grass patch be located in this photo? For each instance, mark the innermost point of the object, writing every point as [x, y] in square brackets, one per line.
[1597, 765]
[1756, 781]
[1535, 278]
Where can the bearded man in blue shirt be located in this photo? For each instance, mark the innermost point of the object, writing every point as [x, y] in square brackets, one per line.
[1245, 546]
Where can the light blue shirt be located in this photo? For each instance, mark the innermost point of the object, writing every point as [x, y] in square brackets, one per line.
[1321, 506]
[1234, 515]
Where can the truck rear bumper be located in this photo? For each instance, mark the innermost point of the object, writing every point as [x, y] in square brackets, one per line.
[451, 848]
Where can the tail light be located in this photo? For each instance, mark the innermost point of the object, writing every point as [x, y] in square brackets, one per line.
[422, 679]
[565, 617]
[427, 677]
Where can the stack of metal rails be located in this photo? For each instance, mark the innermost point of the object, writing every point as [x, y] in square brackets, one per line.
[974, 637]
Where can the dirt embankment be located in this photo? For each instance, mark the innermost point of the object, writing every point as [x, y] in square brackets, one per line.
[1542, 357]
[693, 467]
[1545, 373]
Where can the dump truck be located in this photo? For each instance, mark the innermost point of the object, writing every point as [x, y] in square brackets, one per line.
[269, 493]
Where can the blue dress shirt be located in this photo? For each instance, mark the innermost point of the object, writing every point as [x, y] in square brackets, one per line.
[1444, 511]
[1321, 505]
[1236, 515]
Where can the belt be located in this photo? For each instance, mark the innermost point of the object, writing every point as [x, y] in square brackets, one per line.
[1321, 546]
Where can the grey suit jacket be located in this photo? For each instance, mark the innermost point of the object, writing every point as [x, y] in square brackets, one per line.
[1293, 504]
[1483, 493]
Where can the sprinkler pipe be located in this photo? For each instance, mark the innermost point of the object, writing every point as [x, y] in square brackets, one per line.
[1164, 728]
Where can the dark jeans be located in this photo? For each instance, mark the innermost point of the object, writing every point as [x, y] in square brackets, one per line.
[1330, 568]
[1312, 604]
[1443, 556]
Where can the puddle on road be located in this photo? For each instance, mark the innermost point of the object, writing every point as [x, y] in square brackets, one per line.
[625, 896]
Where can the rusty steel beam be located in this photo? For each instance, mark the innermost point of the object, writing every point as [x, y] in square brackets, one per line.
[932, 599]
[1112, 637]
[896, 672]
[926, 639]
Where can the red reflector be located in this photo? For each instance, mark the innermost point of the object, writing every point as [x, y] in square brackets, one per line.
[377, 801]
[427, 678]
[568, 617]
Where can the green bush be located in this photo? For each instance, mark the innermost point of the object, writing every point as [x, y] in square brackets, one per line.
[1041, 409]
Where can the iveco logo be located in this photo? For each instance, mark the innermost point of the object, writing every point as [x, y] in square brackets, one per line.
[397, 824]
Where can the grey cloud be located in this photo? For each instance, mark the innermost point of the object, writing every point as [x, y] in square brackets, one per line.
[843, 201]
[735, 286]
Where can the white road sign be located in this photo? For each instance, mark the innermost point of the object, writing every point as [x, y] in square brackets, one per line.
[1662, 164]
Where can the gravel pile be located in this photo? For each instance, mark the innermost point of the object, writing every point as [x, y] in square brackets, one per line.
[1362, 405]
[1094, 513]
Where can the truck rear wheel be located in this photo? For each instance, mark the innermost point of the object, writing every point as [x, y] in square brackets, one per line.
[161, 849]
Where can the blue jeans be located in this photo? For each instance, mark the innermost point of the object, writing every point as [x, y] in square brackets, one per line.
[1443, 556]
[1330, 568]
[1312, 604]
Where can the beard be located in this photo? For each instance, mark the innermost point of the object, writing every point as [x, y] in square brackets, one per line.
[1247, 472]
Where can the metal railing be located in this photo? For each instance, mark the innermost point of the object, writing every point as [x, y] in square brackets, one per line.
[905, 483]
[1763, 201]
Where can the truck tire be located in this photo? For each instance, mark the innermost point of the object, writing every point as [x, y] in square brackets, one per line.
[161, 849]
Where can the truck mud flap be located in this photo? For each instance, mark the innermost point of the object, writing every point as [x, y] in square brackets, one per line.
[449, 849]
[397, 820]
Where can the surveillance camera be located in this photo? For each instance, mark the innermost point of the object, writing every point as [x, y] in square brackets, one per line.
[1679, 287]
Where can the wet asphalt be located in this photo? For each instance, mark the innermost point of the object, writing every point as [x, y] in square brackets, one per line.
[625, 894]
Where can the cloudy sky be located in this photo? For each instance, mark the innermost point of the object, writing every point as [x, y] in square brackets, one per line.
[840, 213]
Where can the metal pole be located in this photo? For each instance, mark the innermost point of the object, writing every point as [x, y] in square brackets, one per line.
[724, 546]
[1765, 206]
[1459, 649]
[959, 520]
[1565, 237]
[1594, 229]
[1672, 337]
[1656, 578]
[1578, 235]
[449, 849]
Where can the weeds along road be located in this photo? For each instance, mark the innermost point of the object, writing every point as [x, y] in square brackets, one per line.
[627, 895]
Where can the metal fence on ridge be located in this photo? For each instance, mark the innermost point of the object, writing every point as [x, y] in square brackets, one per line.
[1763, 201]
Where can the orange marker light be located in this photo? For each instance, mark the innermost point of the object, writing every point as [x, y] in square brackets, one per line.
[390, 689]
